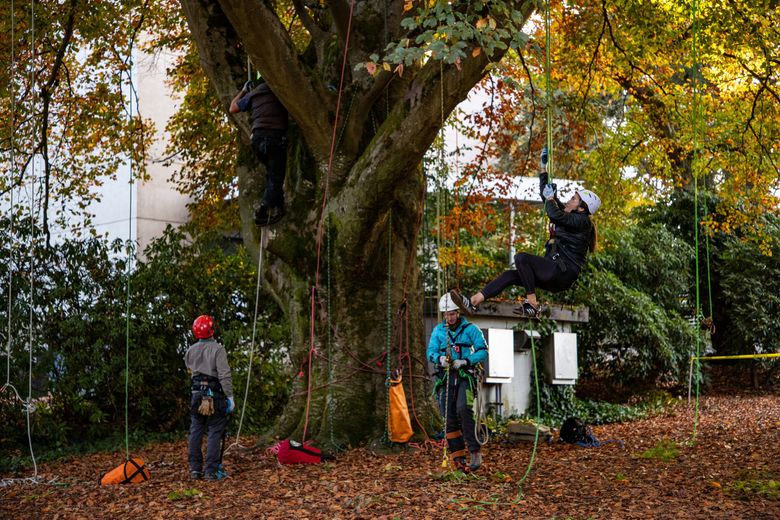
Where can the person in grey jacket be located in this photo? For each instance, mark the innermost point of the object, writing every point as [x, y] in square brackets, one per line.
[572, 236]
[211, 401]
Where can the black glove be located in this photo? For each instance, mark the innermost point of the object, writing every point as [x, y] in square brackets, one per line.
[248, 86]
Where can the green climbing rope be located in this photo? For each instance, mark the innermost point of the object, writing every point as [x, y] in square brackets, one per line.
[695, 117]
[389, 324]
[549, 141]
[538, 414]
[548, 90]
[129, 264]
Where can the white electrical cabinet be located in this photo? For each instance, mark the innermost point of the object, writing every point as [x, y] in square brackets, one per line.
[561, 358]
[500, 365]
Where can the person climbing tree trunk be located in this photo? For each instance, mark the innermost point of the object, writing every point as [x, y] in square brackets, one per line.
[346, 189]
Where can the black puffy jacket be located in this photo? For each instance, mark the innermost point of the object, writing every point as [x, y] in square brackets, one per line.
[573, 231]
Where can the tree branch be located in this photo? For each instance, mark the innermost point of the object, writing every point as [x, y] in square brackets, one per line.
[400, 142]
[46, 92]
[314, 30]
[273, 54]
[218, 51]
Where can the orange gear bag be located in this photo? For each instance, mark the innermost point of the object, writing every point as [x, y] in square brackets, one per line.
[398, 419]
[133, 471]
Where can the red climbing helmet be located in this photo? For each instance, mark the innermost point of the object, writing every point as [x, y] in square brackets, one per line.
[203, 326]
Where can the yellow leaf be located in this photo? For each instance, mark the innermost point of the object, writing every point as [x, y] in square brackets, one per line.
[492, 22]
[476, 52]
[715, 484]
[408, 6]
[481, 23]
[386, 66]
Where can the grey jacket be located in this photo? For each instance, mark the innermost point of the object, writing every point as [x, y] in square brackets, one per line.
[209, 357]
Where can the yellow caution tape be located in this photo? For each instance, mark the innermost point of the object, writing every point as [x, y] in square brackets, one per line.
[743, 356]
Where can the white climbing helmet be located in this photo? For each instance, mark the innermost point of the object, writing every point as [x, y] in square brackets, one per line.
[590, 199]
[446, 304]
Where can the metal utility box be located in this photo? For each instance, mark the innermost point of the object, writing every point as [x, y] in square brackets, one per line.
[560, 358]
[500, 365]
[523, 339]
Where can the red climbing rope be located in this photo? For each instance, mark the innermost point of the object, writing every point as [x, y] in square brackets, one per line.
[320, 226]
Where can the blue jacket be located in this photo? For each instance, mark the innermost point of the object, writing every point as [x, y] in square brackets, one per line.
[467, 342]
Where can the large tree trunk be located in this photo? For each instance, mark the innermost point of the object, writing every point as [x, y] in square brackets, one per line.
[369, 202]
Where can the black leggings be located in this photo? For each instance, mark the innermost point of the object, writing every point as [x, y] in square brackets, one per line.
[531, 272]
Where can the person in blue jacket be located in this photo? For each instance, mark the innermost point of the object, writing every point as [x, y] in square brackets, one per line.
[456, 348]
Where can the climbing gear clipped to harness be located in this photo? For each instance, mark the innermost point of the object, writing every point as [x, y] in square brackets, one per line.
[133, 471]
[400, 423]
[206, 387]
[206, 406]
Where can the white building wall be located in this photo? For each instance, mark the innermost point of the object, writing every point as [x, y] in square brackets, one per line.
[142, 211]
[158, 203]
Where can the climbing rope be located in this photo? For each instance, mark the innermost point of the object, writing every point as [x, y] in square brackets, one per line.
[12, 86]
[695, 166]
[481, 431]
[548, 89]
[29, 407]
[263, 241]
[445, 461]
[331, 367]
[549, 140]
[130, 251]
[320, 226]
[538, 415]
[388, 325]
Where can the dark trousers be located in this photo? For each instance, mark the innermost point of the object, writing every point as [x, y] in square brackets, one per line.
[459, 422]
[270, 148]
[533, 271]
[214, 426]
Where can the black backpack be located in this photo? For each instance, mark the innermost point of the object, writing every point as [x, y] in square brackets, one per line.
[574, 431]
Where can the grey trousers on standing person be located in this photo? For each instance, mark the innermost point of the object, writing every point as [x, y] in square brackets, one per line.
[214, 426]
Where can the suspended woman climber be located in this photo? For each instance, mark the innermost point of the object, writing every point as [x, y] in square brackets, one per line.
[456, 348]
[572, 236]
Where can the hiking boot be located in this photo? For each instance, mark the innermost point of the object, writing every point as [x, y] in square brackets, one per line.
[196, 475]
[218, 475]
[266, 216]
[463, 302]
[460, 464]
[476, 460]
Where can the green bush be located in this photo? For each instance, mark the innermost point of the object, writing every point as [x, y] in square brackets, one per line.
[80, 331]
[636, 331]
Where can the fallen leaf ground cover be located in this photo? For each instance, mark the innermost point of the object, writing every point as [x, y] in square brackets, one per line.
[731, 471]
